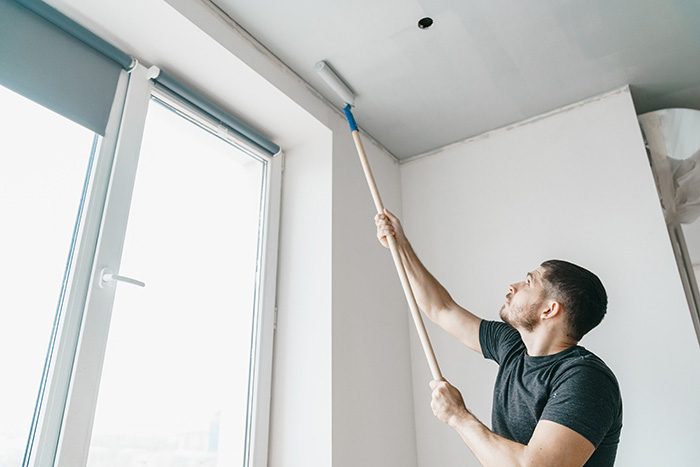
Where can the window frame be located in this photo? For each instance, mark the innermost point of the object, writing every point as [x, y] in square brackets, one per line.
[63, 436]
[48, 430]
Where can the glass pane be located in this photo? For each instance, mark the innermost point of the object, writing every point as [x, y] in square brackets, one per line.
[43, 162]
[174, 386]
[691, 232]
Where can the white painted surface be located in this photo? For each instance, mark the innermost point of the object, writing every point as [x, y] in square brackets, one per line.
[483, 64]
[300, 431]
[577, 186]
[342, 328]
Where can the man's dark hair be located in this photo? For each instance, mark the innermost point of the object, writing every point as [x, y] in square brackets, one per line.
[579, 291]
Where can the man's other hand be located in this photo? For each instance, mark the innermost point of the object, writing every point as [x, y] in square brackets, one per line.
[447, 402]
[388, 224]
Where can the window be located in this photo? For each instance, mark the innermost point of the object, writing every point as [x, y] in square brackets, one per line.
[208, 311]
[175, 382]
[45, 158]
[178, 372]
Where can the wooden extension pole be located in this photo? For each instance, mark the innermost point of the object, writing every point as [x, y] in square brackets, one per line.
[412, 304]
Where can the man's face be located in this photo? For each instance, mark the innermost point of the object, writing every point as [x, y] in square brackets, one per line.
[524, 302]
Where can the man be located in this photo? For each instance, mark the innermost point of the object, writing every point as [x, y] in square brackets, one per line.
[555, 403]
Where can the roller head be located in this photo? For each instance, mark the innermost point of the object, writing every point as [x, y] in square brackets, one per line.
[334, 82]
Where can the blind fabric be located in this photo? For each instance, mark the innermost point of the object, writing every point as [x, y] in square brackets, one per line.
[77, 31]
[50, 66]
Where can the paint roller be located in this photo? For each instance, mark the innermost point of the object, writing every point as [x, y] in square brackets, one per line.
[344, 92]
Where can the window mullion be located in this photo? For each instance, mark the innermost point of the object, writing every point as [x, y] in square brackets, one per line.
[261, 375]
[46, 441]
[87, 364]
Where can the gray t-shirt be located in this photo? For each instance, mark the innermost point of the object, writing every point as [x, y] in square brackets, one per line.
[573, 388]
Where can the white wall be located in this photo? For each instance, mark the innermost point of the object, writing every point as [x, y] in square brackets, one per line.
[372, 393]
[573, 185]
[300, 420]
[342, 331]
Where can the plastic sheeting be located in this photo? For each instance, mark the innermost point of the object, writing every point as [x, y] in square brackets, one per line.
[673, 140]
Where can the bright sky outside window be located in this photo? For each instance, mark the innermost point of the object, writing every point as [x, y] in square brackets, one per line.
[174, 387]
[43, 165]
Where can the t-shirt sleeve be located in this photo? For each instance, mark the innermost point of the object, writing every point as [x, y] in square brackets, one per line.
[585, 398]
[497, 339]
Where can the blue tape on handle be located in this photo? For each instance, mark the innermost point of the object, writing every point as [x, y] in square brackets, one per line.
[351, 119]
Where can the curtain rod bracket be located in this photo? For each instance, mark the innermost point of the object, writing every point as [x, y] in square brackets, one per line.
[153, 72]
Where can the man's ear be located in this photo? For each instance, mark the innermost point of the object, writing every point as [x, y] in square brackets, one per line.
[553, 309]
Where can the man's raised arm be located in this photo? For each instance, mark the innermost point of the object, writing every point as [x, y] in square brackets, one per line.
[433, 299]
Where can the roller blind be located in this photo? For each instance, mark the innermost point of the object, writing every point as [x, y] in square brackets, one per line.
[45, 57]
[217, 113]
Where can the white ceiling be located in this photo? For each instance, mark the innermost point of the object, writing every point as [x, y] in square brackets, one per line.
[483, 64]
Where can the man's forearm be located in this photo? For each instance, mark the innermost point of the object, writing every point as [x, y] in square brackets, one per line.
[488, 447]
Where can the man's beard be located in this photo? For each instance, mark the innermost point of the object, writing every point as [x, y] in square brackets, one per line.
[519, 319]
